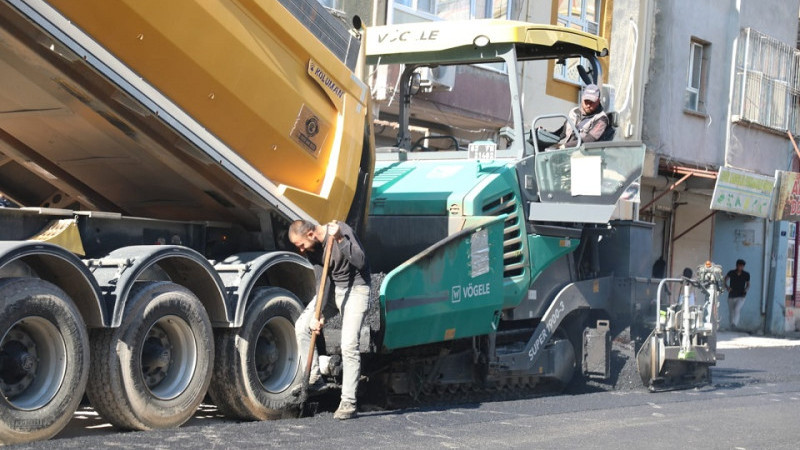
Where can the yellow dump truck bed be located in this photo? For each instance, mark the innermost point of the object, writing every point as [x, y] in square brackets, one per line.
[189, 110]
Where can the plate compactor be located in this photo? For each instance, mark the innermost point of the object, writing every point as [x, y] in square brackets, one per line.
[680, 351]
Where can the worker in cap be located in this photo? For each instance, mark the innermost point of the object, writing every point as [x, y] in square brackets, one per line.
[348, 269]
[589, 118]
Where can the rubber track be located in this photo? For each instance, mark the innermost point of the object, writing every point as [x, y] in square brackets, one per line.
[512, 388]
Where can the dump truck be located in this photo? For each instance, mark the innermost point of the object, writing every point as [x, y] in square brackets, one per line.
[159, 151]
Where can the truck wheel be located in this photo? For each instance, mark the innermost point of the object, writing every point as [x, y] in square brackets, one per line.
[257, 364]
[44, 359]
[154, 369]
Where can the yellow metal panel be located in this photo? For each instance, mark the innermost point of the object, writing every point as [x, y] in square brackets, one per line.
[242, 70]
[549, 35]
[63, 232]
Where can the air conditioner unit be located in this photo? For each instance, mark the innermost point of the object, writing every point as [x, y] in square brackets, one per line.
[439, 78]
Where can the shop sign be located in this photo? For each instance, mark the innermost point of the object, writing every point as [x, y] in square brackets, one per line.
[787, 206]
[743, 192]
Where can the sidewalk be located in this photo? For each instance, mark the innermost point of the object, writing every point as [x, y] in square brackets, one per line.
[736, 339]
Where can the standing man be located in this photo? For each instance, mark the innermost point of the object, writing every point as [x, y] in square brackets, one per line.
[349, 272]
[737, 290]
[590, 119]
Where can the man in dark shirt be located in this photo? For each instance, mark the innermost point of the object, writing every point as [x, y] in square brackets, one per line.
[737, 290]
[591, 120]
[349, 272]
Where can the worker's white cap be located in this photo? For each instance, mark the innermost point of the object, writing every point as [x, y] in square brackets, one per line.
[591, 93]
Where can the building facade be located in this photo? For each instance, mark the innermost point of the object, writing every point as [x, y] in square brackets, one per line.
[720, 93]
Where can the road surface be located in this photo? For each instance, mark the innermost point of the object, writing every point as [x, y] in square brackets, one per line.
[753, 402]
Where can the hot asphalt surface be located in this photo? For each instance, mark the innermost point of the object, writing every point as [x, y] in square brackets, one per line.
[752, 403]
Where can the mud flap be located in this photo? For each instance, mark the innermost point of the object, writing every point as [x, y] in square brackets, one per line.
[597, 351]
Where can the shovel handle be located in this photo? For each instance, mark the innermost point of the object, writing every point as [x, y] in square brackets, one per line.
[318, 309]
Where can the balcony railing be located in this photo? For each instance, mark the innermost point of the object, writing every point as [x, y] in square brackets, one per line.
[766, 87]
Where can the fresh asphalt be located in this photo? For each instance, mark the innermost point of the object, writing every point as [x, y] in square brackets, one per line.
[751, 403]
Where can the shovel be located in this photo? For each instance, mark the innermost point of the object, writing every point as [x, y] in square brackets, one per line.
[318, 310]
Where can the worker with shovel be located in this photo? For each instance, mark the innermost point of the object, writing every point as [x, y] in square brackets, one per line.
[335, 252]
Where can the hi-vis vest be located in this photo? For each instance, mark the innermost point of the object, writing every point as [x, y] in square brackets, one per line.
[574, 115]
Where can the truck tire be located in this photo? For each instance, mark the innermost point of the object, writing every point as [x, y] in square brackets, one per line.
[44, 359]
[153, 371]
[257, 365]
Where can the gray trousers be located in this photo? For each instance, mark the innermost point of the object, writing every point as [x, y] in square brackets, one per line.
[352, 303]
[734, 309]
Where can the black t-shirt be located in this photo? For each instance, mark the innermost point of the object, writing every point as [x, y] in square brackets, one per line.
[348, 266]
[737, 283]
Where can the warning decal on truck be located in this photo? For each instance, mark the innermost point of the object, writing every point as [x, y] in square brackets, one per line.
[309, 130]
[479, 252]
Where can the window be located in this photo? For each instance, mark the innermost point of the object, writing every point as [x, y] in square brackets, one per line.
[405, 11]
[333, 4]
[694, 99]
[581, 15]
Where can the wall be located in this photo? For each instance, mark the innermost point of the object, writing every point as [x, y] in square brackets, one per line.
[657, 215]
[775, 307]
[741, 237]
[777, 18]
[751, 148]
[667, 128]
[535, 101]
[363, 8]
[694, 247]
[629, 63]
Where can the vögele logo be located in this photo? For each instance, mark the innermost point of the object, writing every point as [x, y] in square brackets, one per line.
[468, 291]
[456, 294]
